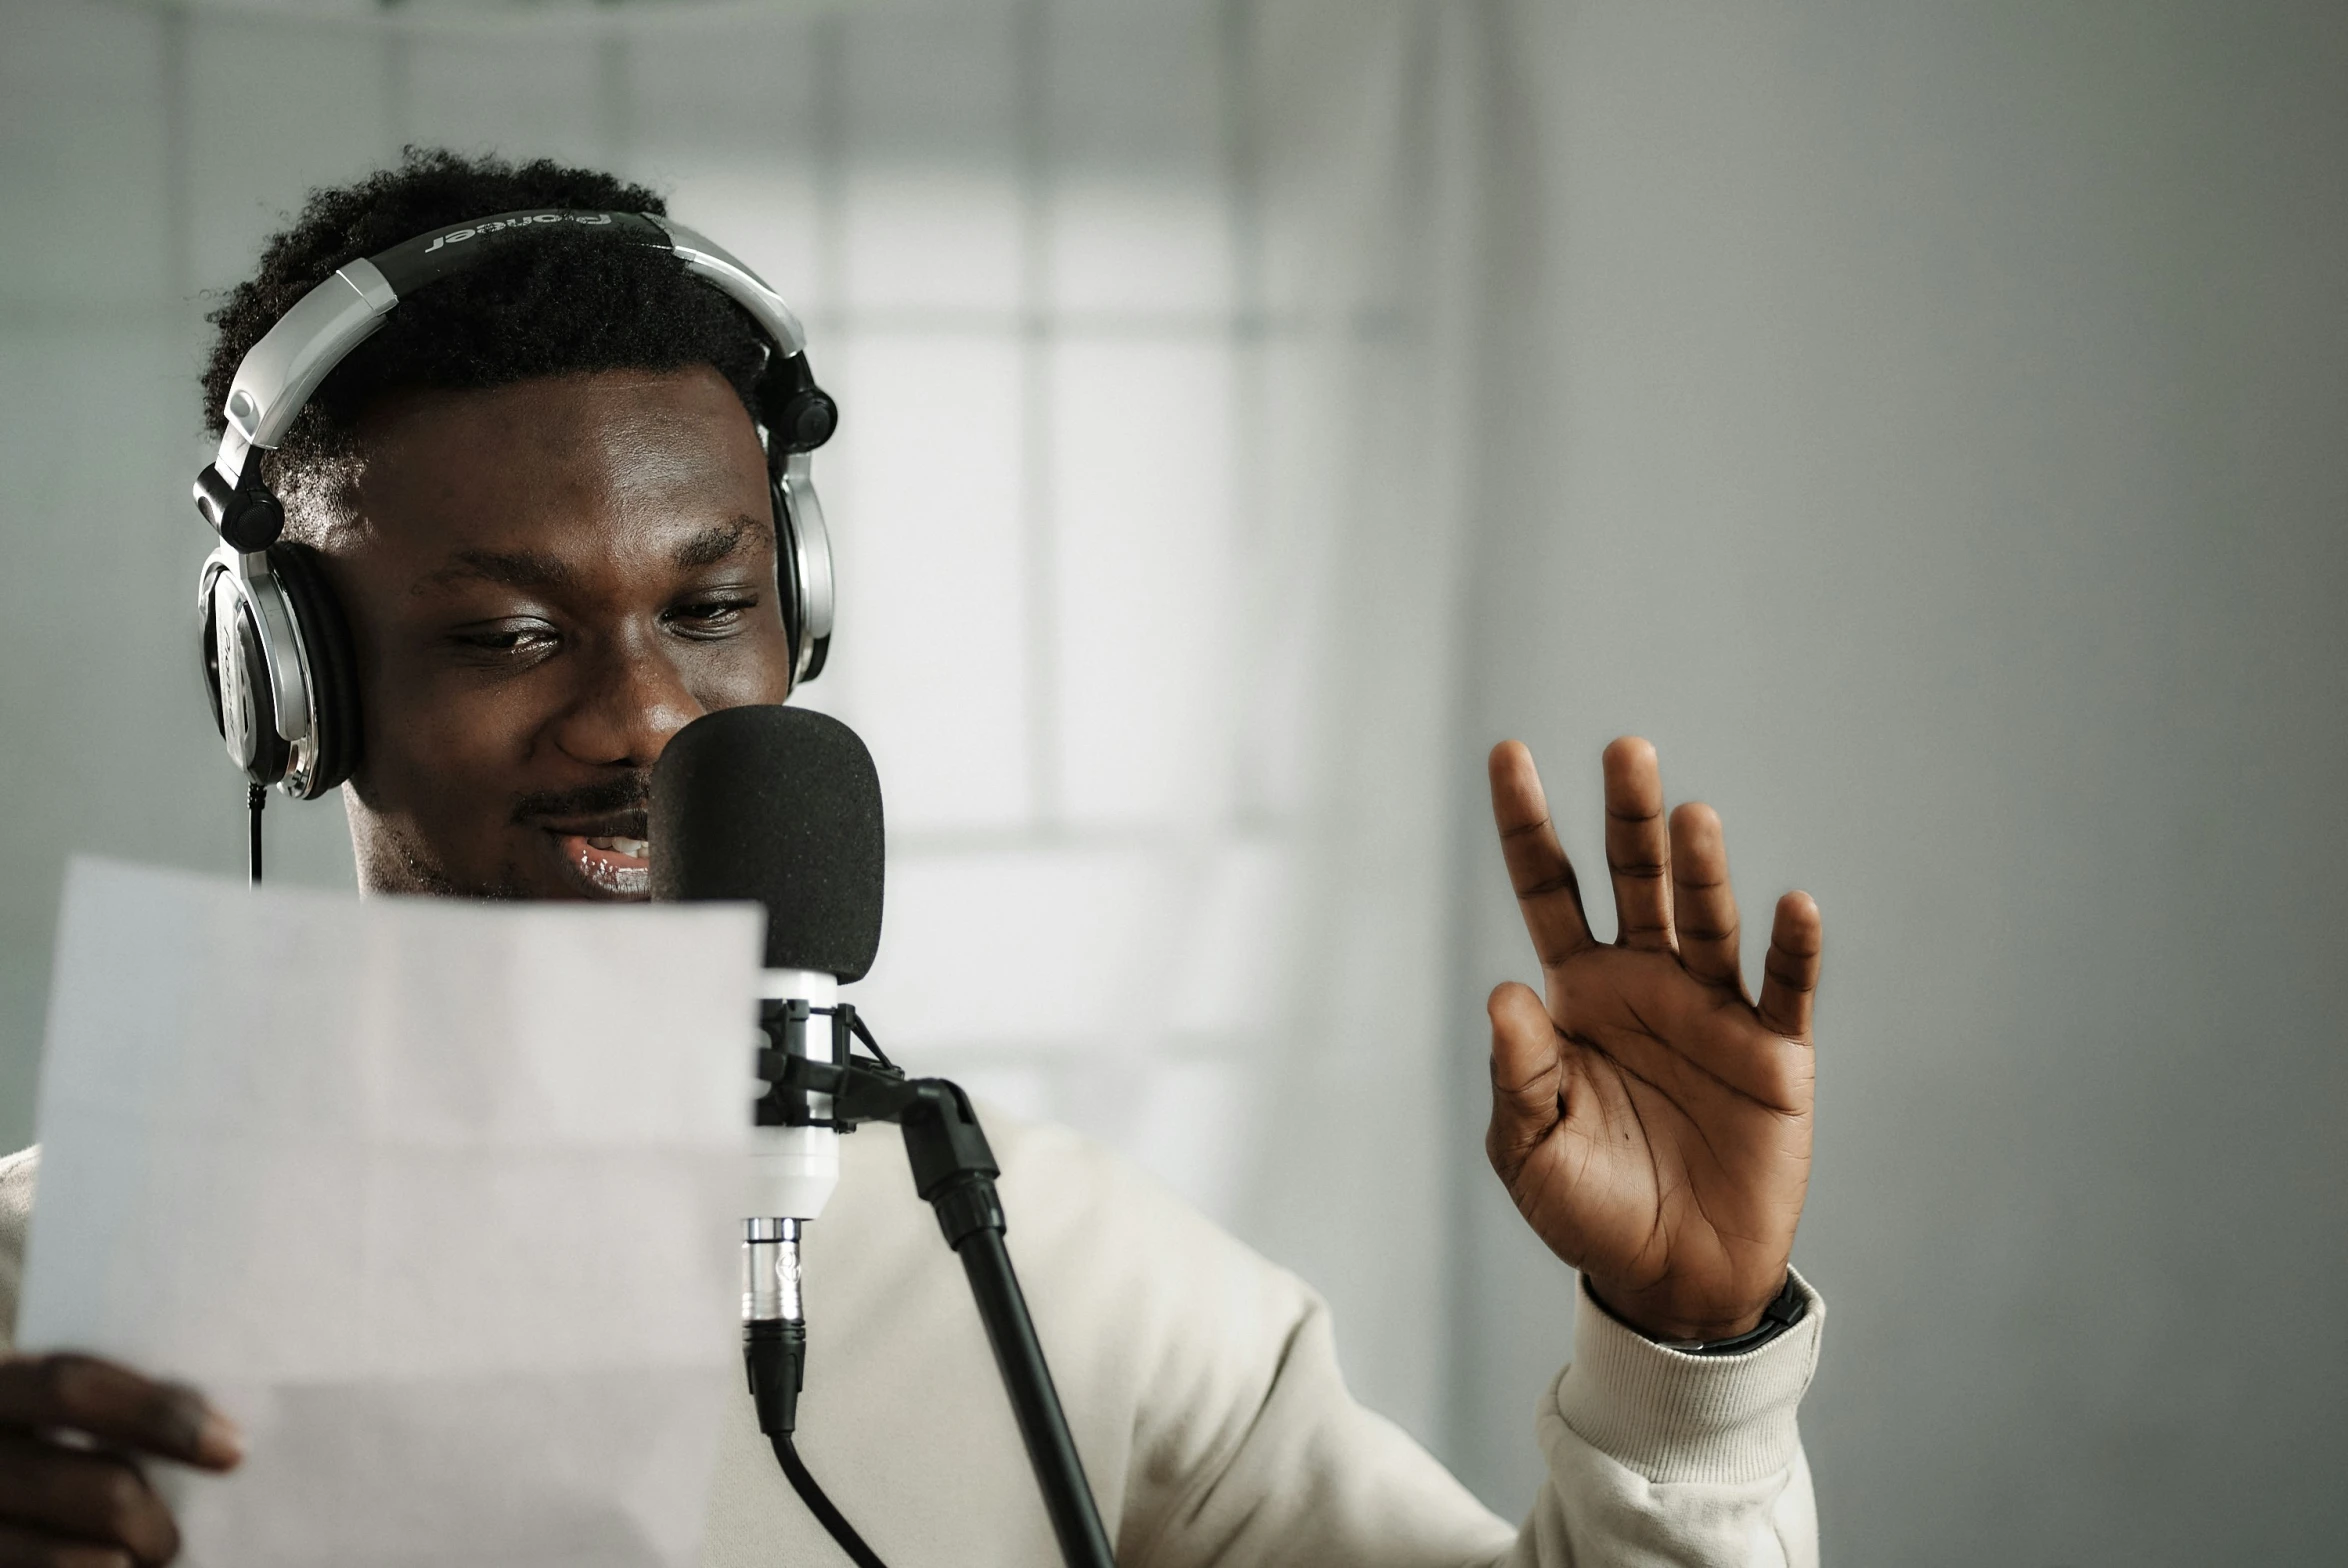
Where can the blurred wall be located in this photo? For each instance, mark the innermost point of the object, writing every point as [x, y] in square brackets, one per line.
[1934, 435]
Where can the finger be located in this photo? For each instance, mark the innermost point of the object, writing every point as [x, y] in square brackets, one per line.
[92, 1498]
[116, 1406]
[1547, 893]
[1638, 854]
[1789, 977]
[1527, 1078]
[1703, 905]
[38, 1549]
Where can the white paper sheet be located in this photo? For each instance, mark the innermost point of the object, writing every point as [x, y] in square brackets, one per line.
[440, 1201]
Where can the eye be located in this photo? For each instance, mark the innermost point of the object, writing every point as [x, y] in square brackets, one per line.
[509, 639]
[713, 615]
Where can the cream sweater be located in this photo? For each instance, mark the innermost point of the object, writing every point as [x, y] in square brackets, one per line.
[1202, 1386]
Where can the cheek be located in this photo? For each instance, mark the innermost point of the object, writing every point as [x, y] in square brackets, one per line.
[439, 735]
[435, 739]
[756, 669]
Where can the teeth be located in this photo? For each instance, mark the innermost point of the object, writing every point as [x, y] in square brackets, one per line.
[634, 848]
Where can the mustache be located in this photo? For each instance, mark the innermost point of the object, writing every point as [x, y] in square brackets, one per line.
[627, 792]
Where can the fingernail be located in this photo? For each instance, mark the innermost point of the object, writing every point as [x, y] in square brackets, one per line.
[218, 1442]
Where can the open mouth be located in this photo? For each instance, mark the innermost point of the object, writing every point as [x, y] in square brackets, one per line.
[621, 867]
[611, 857]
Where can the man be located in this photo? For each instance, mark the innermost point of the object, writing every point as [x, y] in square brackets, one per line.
[541, 500]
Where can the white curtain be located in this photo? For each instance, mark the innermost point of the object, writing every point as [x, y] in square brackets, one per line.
[1157, 328]
[1157, 332]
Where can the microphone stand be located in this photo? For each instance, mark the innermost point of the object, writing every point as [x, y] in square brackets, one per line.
[954, 1172]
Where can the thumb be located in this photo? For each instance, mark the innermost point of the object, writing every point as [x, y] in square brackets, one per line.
[1528, 1080]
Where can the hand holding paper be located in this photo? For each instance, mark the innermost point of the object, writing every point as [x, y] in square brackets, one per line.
[437, 1201]
[70, 1495]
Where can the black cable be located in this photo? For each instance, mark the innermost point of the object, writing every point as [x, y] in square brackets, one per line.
[256, 796]
[833, 1521]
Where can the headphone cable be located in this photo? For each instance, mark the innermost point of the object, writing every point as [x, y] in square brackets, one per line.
[256, 796]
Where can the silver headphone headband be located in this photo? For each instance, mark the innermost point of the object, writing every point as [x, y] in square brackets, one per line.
[279, 374]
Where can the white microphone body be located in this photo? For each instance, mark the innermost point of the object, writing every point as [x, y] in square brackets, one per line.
[795, 1169]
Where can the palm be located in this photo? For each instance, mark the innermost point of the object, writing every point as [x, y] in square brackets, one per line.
[1651, 1122]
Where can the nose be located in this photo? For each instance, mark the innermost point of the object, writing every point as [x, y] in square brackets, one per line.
[632, 699]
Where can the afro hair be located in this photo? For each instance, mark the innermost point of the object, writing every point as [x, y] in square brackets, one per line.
[571, 302]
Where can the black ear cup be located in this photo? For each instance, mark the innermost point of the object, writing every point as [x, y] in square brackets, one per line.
[332, 664]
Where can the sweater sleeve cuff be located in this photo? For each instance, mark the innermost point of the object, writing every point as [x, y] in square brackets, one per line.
[1671, 1416]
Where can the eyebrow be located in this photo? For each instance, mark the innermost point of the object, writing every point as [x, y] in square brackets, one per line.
[528, 569]
[507, 568]
[712, 545]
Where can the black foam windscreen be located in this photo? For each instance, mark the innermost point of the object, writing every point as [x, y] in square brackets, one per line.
[780, 805]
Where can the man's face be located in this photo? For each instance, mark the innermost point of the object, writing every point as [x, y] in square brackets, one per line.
[546, 581]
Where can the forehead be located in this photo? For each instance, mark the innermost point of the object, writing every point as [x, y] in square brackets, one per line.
[610, 462]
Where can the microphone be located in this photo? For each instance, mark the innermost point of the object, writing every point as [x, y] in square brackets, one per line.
[781, 806]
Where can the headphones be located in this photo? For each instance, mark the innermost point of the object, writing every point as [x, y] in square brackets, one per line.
[278, 661]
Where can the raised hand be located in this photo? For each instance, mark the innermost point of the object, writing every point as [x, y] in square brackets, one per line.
[73, 1431]
[1651, 1122]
